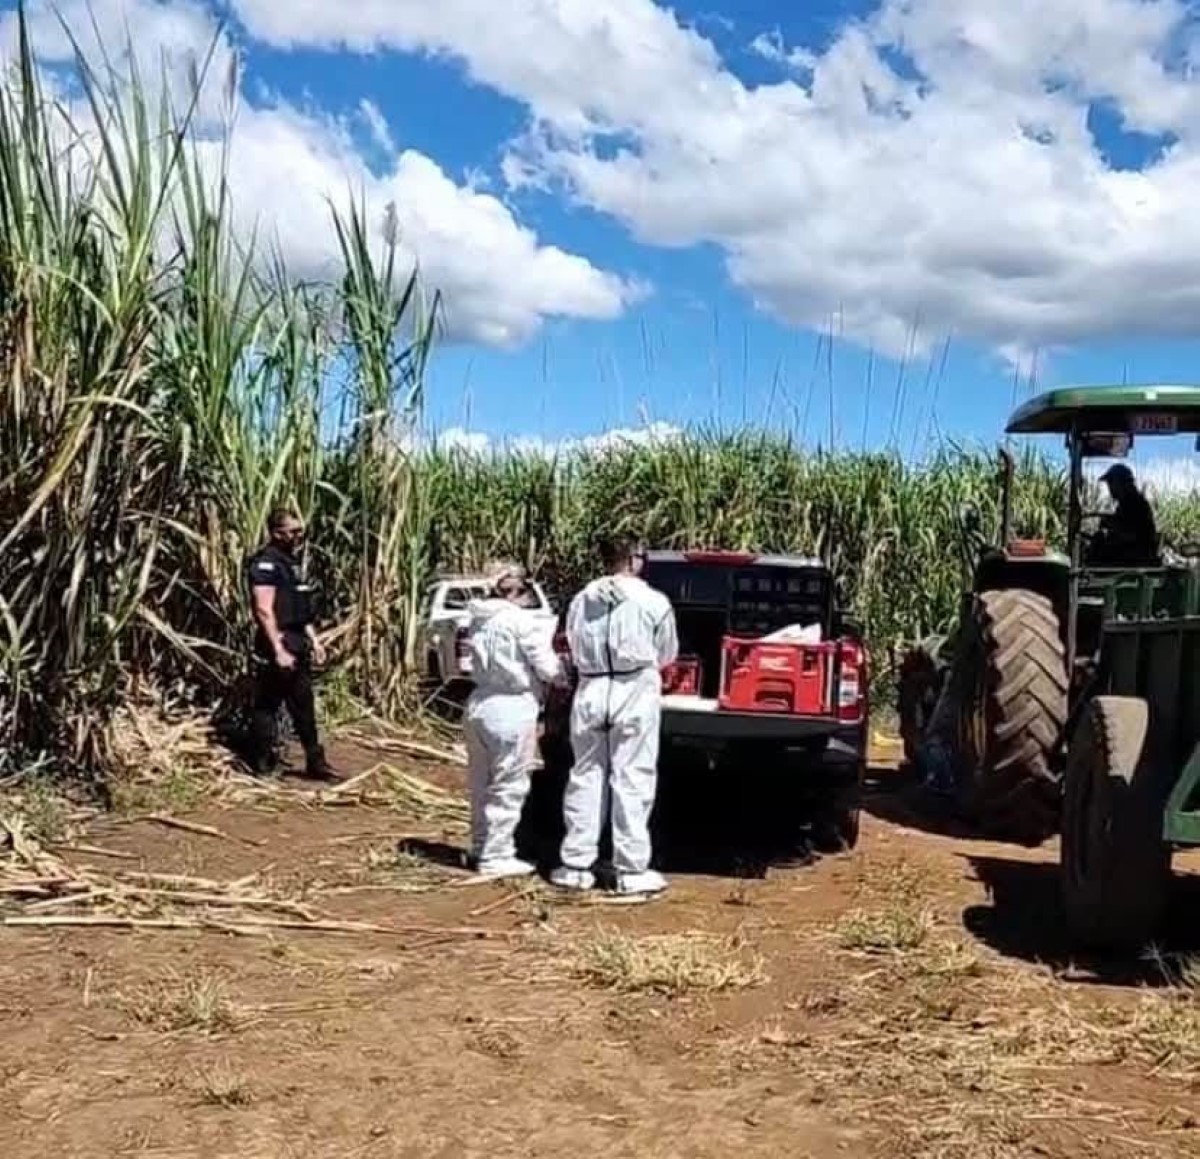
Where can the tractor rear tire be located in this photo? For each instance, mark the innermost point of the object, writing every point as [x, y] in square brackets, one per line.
[1012, 714]
[1115, 865]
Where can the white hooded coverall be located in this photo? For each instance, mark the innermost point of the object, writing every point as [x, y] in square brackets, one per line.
[513, 657]
[621, 633]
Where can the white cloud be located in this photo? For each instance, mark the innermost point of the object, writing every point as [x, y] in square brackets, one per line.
[499, 281]
[381, 131]
[171, 40]
[478, 443]
[930, 167]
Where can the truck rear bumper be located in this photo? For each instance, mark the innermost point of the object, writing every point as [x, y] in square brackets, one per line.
[694, 722]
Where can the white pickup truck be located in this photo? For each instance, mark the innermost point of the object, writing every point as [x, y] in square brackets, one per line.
[445, 621]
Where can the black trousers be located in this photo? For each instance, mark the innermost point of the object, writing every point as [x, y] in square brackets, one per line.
[275, 687]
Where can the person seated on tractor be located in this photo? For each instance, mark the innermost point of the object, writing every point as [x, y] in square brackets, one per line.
[1128, 537]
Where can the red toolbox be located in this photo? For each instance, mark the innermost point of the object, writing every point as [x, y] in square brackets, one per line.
[682, 678]
[759, 676]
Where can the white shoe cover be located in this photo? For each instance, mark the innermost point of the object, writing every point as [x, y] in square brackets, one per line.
[505, 867]
[649, 882]
[577, 879]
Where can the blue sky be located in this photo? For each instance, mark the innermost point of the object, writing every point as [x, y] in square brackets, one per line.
[640, 213]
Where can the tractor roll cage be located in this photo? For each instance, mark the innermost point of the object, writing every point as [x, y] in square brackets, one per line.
[1077, 412]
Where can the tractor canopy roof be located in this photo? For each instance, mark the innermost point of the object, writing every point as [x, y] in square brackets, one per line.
[1139, 410]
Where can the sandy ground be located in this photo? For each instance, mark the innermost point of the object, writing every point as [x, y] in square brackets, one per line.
[912, 998]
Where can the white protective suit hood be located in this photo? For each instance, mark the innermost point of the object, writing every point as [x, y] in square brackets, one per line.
[510, 648]
[619, 624]
[613, 590]
[482, 610]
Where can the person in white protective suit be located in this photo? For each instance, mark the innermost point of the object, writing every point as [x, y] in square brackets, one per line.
[513, 659]
[621, 633]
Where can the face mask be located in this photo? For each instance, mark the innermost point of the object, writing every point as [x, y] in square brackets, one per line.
[292, 544]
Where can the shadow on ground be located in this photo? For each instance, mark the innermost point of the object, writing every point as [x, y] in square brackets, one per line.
[1023, 918]
[897, 797]
[435, 852]
[732, 822]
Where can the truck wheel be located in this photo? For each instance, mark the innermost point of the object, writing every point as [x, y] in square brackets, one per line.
[1012, 710]
[1115, 865]
[836, 825]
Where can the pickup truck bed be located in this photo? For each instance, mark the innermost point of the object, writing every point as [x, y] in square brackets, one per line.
[740, 690]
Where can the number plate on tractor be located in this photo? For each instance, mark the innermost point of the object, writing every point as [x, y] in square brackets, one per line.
[1154, 424]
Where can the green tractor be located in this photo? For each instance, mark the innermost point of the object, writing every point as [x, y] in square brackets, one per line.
[991, 715]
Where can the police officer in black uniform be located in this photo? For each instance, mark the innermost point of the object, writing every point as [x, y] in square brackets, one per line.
[285, 646]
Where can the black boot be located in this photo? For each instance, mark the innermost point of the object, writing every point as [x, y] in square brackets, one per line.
[265, 762]
[797, 854]
[317, 767]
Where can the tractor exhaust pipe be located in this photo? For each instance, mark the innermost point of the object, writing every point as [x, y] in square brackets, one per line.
[1006, 478]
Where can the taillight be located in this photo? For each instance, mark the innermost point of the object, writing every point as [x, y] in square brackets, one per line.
[852, 682]
[462, 644]
[560, 643]
[682, 678]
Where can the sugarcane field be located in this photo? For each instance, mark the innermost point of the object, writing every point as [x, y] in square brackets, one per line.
[332, 825]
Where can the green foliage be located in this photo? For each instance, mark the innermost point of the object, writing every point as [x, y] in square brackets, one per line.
[167, 383]
[889, 529]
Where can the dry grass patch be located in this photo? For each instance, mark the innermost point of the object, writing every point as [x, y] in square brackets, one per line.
[1189, 975]
[892, 914]
[404, 869]
[1179, 971]
[419, 799]
[495, 1041]
[177, 790]
[671, 964]
[44, 814]
[945, 958]
[221, 1085]
[1161, 1031]
[165, 759]
[951, 1057]
[894, 877]
[177, 1003]
[893, 929]
[394, 867]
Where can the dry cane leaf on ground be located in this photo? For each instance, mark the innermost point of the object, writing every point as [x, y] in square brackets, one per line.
[34, 882]
[941, 1051]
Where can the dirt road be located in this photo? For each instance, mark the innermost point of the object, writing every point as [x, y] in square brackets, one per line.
[910, 999]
